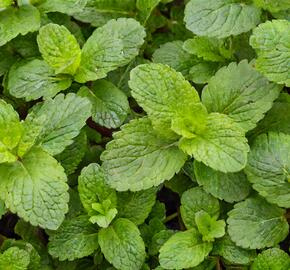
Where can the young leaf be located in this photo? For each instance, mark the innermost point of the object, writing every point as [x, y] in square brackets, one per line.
[222, 145]
[75, 238]
[14, 258]
[271, 40]
[15, 21]
[105, 110]
[273, 5]
[111, 46]
[138, 158]
[64, 118]
[269, 167]
[220, 18]
[59, 48]
[35, 188]
[32, 79]
[184, 250]
[122, 245]
[231, 187]
[255, 223]
[240, 92]
[270, 259]
[195, 200]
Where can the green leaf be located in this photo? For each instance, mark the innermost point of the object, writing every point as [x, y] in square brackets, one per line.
[158, 241]
[110, 106]
[75, 238]
[269, 167]
[59, 48]
[163, 93]
[136, 206]
[222, 140]
[173, 55]
[35, 188]
[256, 224]
[184, 250]
[145, 8]
[271, 40]
[111, 46]
[209, 227]
[7, 59]
[194, 200]
[122, 245]
[241, 92]
[201, 73]
[273, 5]
[233, 254]
[272, 259]
[64, 118]
[67, 7]
[15, 21]
[138, 158]
[93, 189]
[231, 187]
[5, 3]
[220, 18]
[209, 49]
[10, 132]
[2, 208]
[33, 79]
[14, 258]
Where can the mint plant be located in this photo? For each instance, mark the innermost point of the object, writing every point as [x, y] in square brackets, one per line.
[144, 134]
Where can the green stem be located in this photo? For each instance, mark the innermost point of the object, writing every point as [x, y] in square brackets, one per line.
[172, 216]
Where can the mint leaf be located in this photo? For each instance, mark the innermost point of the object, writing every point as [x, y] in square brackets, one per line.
[59, 48]
[136, 206]
[105, 110]
[273, 6]
[111, 46]
[145, 8]
[271, 42]
[184, 250]
[75, 238]
[2, 208]
[231, 187]
[222, 139]
[15, 21]
[201, 73]
[220, 18]
[35, 188]
[67, 7]
[158, 240]
[64, 118]
[194, 200]
[122, 245]
[269, 259]
[14, 258]
[269, 167]
[255, 223]
[32, 79]
[240, 92]
[138, 158]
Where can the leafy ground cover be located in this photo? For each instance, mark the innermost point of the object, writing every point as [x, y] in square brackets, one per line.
[147, 134]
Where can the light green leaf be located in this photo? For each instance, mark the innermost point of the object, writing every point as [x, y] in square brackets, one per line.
[209, 227]
[136, 206]
[209, 49]
[184, 250]
[241, 92]
[33, 79]
[75, 238]
[64, 118]
[138, 158]
[2, 208]
[220, 18]
[222, 146]
[231, 187]
[14, 258]
[269, 167]
[122, 245]
[59, 48]
[5, 4]
[233, 254]
[173, 55]
[35, 188]
[15, 21]
[158, 240]
[272, 259]
[202, 72]
[145, 8]
[110, 106]
[271, 40]
[256, 224]
[273, 5]
[195, 200]
[163, 93]
[111, 46]
[67, 7]
[10, 132]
